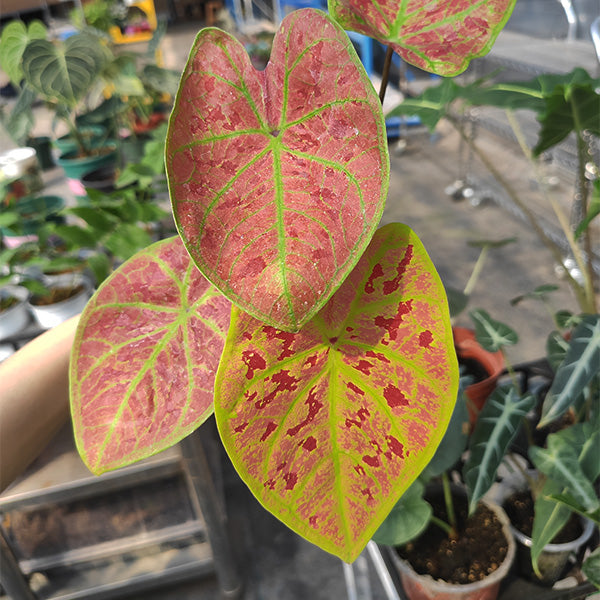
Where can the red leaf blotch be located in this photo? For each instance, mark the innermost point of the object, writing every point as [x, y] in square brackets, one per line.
[355, 388]
[310, 443]
[372, 461]
[364, 366]
[375, 273]
[379, 356]
[253, 361]
[425, 338]
[392, 285]
[284, 382]
[286, 338]
[270, 428]
[394, 396]
[395, 446]
[314, 406]
[393, 323]
[290, 480]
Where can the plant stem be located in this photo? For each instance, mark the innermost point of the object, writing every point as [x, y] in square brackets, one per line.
[550, 245]
[443, 525]
[449, 505]
[476, 271]
[560, 215]
[385, 76]
[588, 270]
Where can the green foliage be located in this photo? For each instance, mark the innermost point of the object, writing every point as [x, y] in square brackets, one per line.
[591, 567]
[63, 72]
[497, 426]
[570, 462]
[410, 516]
[578, 369]
[15, 38]
[491, 334]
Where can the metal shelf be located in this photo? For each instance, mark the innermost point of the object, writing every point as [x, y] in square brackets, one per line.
[138, 557]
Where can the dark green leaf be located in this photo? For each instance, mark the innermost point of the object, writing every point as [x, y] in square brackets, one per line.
[100, 221]
[455, 439]
[576, 371]
[559, 462]
[591, 567]
[77, 237]
[491, 334]
[497, 426]
[100, 266]
[409, 517]
[432, 105]
[63, 72]
[161, 80]
[127, 240]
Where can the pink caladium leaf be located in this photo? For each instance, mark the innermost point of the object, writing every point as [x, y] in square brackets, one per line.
[440, 36]
[145, 357]
[329, 426]
[278, 178]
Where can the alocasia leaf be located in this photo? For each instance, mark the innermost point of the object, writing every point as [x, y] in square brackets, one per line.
[441, 37]
[145, 356]
[329, 426]
[497, 426]
[491, 334]
[278, 178]
[577, 370]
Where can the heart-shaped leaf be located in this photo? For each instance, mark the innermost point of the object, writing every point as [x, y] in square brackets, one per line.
[441, 37]
[145, 356]
[63, 72]
[278, 178]
[330, 426]
[15, 37]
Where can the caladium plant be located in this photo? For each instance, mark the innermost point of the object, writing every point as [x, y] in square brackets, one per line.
[440, 36]
[338, 375]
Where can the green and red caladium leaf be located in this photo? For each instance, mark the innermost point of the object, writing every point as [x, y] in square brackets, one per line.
[330, 426]
[145, 357]
[278, 178]
[441, 37]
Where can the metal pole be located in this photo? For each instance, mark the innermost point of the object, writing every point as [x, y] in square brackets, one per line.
[13, 581]
[202, 485]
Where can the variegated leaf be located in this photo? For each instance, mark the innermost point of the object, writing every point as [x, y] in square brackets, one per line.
[440, 36]
[278, 178]
[145, 357]
[329, 426]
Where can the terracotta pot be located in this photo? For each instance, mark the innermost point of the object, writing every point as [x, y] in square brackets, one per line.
[425, 587]
[468, 349]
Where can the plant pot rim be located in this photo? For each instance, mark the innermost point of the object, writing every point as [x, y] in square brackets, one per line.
[15, 291]
[77, 279]
[441, 586]
[588, 529]
[70, 156]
